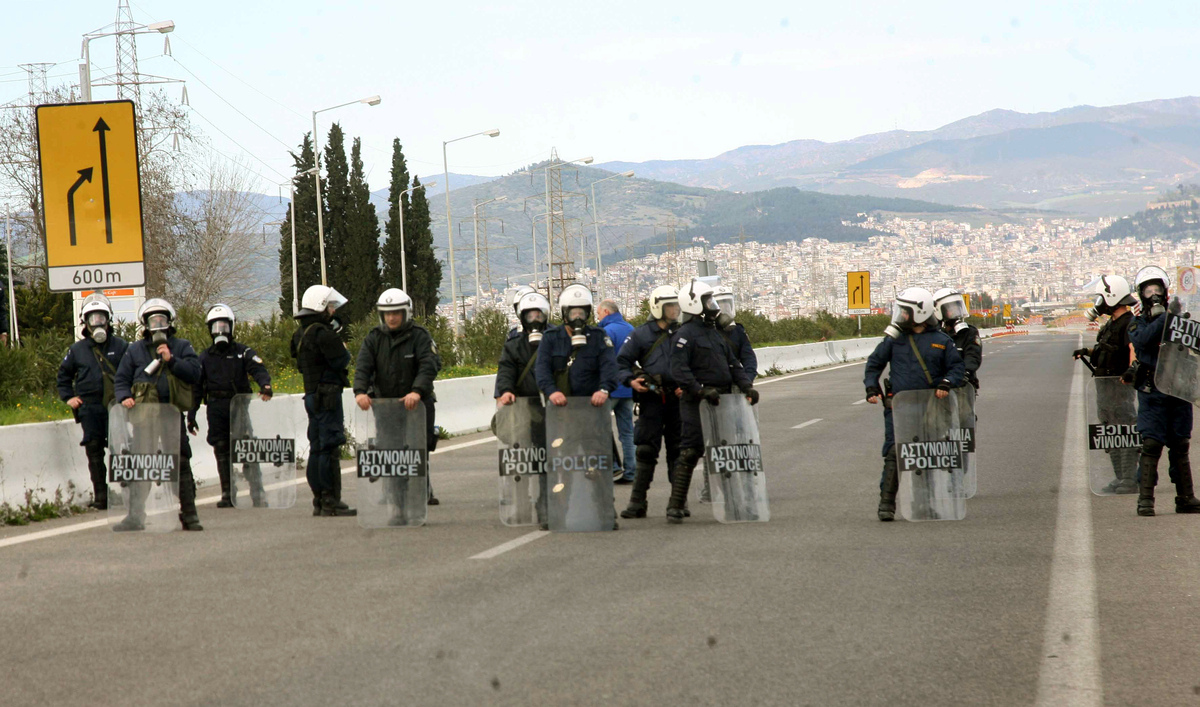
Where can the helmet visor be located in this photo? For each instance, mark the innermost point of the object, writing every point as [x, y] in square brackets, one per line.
[1151, 289]
[531, 316]
[671, 311]
[955, 309]
[902, 315]
[726, 305]
[709, 303]
[158, 322]
[577, 314]
[221, 326]
[97, 320]
[335, 300]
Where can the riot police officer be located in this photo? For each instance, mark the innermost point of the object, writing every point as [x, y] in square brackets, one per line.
[85, 383]
[919, 356]
[515, 377]
[161, 368]
[703, 366]
[398, 359]
[225, 370]
[1163, 420]
[951, 310]
[1111, 356]
[576, 358]
[514, 300]
[734, 332]
[644, 364]
[323, 360]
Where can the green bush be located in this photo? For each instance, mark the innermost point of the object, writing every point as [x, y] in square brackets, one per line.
[483, 338]
[31, 368]
[40, 310]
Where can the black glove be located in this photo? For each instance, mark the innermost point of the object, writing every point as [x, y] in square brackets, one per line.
[752, 394]
[1175, 307]
[191, 423]
[1127, 376]
[874, 392]
[266, 390]
[712, 395]
[944, 385]
[1081, 352]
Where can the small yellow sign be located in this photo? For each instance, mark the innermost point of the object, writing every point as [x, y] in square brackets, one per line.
[967, 301]
[91, 194]
[858, 290]
[1008, 311]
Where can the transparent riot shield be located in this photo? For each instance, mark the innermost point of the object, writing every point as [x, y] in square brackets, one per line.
[393, 464]
[928, 458]
[965, 434]
[733, 460]
[579, 465]
[1178, 371]
[520, 431]
[262, 453]
[1113, 440]
[144, 463]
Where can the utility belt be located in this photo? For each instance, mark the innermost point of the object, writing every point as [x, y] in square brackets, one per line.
[221, 394]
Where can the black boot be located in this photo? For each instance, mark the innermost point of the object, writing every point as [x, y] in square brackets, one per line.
[676, 507]
[1148, 476]
[1181, 474]
[222, 453]
[98, 472]
[646, 458]
[188, 517]
[330, 506]
[888, 487]
[336, 475]
[433, 501]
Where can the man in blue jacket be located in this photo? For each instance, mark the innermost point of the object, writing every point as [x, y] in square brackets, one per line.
[161, 369]
[919, 356]
[85, 383]
[618, 331]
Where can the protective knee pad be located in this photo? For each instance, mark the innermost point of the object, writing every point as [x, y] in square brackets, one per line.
[1179, 453]
[890, 483]
[1151, 447]
[646, 454]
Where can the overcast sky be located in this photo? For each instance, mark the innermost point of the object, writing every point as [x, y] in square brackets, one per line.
[618, 80]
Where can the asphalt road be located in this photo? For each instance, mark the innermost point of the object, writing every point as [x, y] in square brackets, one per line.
[1045, 594]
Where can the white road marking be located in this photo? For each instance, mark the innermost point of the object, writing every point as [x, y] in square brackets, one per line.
[806, 424]
[1070, 668]
[207, 501]
[510, 545]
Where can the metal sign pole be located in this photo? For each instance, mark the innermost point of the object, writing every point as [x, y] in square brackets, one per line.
[12, 299]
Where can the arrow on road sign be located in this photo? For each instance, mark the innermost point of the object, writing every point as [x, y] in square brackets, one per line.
[102, 128]
[85, 175]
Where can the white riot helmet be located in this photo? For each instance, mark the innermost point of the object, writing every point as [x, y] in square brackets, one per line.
[220, 320]
[1111, 292]
[724, 298]
[96, 317]
[1152, 284]
[948, 306]
[913, 306]
[660, 297]
[577, 300]
[515, 295]
[696, 300]
[319, 298]
[394, 300]
[157, 315]
[533, 310]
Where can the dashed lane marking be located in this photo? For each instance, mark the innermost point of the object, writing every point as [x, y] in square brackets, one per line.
[802, 425]
[510, 545]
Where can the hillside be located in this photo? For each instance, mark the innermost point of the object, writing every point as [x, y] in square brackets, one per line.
[1087, 159]
[1174, 216]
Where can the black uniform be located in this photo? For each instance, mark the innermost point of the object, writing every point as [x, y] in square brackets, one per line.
[323, 361]
[1115, 404]
[735, 334]
[88, 372]
[701, 359]
[225, 371]
[132, 381]
[647, 354]
[970, 349]
[514, 374]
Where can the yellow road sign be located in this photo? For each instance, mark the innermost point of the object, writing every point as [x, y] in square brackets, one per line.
[1008, 311]
[858, 290]
[91, 194]
[967, 301]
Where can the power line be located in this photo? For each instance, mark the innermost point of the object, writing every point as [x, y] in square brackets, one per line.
[235, 108]
[248, 152]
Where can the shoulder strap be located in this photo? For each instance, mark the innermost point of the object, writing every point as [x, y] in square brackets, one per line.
[105, 365]
[666, 334]
[304, 335]
[525, 371]
[920, 359]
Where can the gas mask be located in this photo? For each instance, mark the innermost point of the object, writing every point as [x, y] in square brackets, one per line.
[1154, 298]
[952, 312]
[97, 324]
[902, 321]
[712, 311]
[534, 323]
[1098, 309]
[725, 317]
[577, 317]
[222, 333]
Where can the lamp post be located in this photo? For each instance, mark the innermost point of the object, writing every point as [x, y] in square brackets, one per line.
[369, 100]
[85, 69]
[291, 183]
[599, 271]
[450, 226]
[403, 260]
[475, 219]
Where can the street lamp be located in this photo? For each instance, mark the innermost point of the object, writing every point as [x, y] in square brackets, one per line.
[292, 205]
[450, 226]
[85, 69]
[403, 261]
[369, 100]
[475, 219]
[599, 271]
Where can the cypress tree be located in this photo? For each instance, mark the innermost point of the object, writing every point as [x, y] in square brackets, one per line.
[396, 196]
[308, 255]
[424, 269]
[337, 210]
[362, 245]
